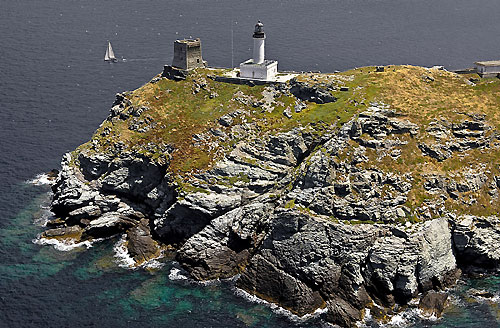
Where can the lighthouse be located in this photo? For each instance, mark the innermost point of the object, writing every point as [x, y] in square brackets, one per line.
[259, 68]
[259, 39]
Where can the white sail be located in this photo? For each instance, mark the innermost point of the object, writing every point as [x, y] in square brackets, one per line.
[111, 54]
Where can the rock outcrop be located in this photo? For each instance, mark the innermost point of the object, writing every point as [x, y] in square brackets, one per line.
[347, 268]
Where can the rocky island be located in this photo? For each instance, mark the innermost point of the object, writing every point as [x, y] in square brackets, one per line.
[365, 190]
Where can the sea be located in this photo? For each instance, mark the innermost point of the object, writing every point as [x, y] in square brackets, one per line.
[55, 90]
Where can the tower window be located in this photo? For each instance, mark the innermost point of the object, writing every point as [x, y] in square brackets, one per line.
[198, 60]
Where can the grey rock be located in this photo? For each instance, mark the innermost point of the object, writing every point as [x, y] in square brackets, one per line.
[263, 278]
[320, 172]
[309, 251]
[435, 151]
[306, 92]
[70, 190]
[107, 225]
[226, 244]
[133, 175]
[140, 244]
[476, 241]
[93, 166]
[85, 212]
[63, 232]
[226, 120]
[299, 106]
[331, 258]
[433, 303]
[178, 223]
[287, 112]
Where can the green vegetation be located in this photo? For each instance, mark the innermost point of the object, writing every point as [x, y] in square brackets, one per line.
[290, 204]
[183, 115]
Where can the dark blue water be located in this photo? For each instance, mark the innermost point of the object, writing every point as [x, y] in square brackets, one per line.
[55, 90]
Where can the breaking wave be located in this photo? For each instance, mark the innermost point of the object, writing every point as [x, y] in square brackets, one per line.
[64, 245]
[279, 310]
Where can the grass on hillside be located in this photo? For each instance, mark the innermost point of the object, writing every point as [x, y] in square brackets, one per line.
[421, 95]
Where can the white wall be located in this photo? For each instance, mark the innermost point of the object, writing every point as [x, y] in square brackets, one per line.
[492, 69]
[258, 50]
[488, 69]
[261, 72]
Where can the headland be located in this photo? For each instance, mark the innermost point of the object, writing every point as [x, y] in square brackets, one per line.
[361, 190]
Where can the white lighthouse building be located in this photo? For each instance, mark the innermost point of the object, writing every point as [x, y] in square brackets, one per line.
[259, 67]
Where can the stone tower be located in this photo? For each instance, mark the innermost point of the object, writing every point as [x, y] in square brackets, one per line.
[187, 54]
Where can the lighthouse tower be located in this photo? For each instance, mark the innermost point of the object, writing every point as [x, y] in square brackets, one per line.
[259, 39]
[258, 67]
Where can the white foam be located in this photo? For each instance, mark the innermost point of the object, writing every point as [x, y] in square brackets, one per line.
[279, 310]
[153, 264]
[177, 274]
[493, 299]
[368, 316]
[401, 319]
[121, 255]
[214, 282]
[405, 318]
[63, 245]
[44, 215]
[42, 179]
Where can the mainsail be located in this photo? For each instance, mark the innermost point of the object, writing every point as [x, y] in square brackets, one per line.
[110, 55]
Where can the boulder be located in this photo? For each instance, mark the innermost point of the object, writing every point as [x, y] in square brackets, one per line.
[140, 244]
[72, 232]
[107, 225]
[314, 94]
[433, 303]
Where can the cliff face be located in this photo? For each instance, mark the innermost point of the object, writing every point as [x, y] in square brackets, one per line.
[346, 191]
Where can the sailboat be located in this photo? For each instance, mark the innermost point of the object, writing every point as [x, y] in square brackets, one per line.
[110, 55]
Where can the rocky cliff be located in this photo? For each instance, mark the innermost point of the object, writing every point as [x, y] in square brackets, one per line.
[350, 191]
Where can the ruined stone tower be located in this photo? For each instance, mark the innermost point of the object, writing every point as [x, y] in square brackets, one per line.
[187, 54]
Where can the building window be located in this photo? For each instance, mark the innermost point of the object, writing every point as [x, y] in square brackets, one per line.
[198, 60]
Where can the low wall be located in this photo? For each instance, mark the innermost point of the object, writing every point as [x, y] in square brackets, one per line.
[250, 82]
[470, 70]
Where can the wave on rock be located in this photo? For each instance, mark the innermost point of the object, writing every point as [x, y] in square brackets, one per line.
[42, 179]
[63, 245]
[177, 274]
[279, 310]
[124, 260]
